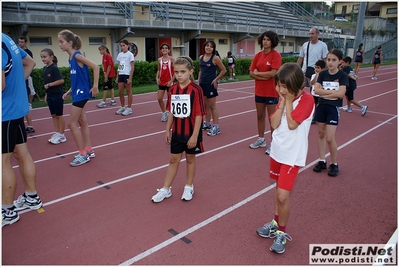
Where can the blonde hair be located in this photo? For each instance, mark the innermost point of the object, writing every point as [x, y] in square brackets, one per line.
[186, 61]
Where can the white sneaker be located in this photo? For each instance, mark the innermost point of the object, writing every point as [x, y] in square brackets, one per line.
[102, 104]
[52, 137]
[188, 193]
[258, 143]
[62, 138]
[164, 116]
[162, 194]
[268, 149]
[128, 111]
[120, 111]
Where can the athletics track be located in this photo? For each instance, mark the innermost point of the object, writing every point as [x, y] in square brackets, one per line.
[101, 213]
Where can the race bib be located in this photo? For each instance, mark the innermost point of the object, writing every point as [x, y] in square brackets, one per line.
[181, 106]
[230, 60]
[121, 65]
[327, 85]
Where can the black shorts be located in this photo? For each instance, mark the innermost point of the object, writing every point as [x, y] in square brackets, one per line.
[163, 88]
[209, 90]
[349, 94]
[13, 133]
[316, 99]
[56, 104]
[108, 84]
[327, 114]
[80, 104]
[266, 100]
[123, 78]
[178, 147]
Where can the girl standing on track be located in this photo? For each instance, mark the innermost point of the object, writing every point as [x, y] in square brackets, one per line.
[186, 109]
[165, 77]
[263, 68]
[109, 74]
[377, 60]
[81, 91]
[231, 63]
[207, 79]
[124, 78]
[359, 57]
[291, 121]
[331, 87]
[53, 84]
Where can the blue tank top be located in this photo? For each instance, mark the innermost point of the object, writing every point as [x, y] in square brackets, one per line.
[208, 70]
[80, 80]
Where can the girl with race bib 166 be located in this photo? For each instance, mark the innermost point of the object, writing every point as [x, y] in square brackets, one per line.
[186, 109]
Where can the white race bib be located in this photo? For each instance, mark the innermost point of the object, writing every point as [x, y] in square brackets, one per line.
[181, 106]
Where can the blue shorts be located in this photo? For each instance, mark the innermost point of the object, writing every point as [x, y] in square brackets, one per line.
[56, 104]
[209, 90]
[266, 100]
[13, 133]
[178, 147]
[327, 114]
[123, 78]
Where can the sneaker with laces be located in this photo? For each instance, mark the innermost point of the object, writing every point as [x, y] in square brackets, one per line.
[206, 126]
[91, 154]
[268, 149]
[112, 102]
[267, 229]
[27, 202]
[30, 129]
[162, 194]
[215, 130]
[62, 138]
[120, 111]
[258, 143]
[280, 241]
[79, 160]
[9, 217]
[188, 193]
[333, 171]
[320, 166]
[128, 111]
[57, 139]
[364, 110]
[164, 116]
[53, 136]
[349, 110]
[102, 104]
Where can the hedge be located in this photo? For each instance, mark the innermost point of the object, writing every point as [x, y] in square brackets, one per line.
[144, 73]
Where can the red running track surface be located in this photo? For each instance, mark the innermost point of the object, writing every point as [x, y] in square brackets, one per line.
[101, 213]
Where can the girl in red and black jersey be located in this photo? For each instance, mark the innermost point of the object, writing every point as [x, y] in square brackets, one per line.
[186, 109]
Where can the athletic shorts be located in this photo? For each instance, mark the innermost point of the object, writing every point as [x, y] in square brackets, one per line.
[163, 88]
[13, 133]
[178, 147]
[80, 104]
[316, 99]
[209, 90]
[350, 94]
[284, 174]
[231, 66]
[108, 84]
[266, 100]
[123, 78]
[56, 104]
[327, 114]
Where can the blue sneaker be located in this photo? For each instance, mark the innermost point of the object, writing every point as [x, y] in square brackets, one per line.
[79, 160]
[268, 229]
[279, 242]
[91, 154]
[206, 126]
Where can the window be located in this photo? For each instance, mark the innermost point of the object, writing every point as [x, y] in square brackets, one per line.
[40, 41]
[291, 44]
[392, 10]
[223, 41]
[282, 43]
[96, 40]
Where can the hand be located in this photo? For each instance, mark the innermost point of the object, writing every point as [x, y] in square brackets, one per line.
[66, 96]
[192, 142]
[167, 137]
[94, 91]
[215, 84]
[289, 97]
[129, 81]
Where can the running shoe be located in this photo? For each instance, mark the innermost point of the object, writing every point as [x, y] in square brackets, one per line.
[258, 143]
[112, 102]
[62, 138]
[91, 154]
[53, 136]
[349, 110]
[30, 129]
[268, 149]
[206, 126]
[57, 139]
[162, 194]
[164, 116]
[188, 193]
[79, 160]
[27, 202]
[215, 130]
[102, 104]
[320, 166]
[268, 229]
[128, 111]
[9, 217]
[333, 171]
[364, 109]
[120, 111]
[279, 241]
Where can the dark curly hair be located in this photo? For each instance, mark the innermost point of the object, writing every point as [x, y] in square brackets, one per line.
[271, 35]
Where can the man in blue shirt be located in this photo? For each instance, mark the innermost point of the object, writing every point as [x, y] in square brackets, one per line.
[16, 67]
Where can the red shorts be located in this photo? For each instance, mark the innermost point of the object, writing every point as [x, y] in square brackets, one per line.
[284, 175]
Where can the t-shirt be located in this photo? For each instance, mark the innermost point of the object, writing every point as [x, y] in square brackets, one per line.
[290, 147]
[51, 74]
[263, 63]
[14, 103]
[332, 82]
[317, 51]
[183, 128]
[352, 83]
[80, 80]
[108, 61]
[312, 92]
[124, 59]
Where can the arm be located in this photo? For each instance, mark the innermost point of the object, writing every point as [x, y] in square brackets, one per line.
[264, 75]
[157, 77]
[55, 83]
[292, 124]
[275, 119]
[218, 62]
[313, 81]
[330, 93]
[131, 72]
[174, 75]
[96, 72]
[29, 64]
[199, 72]
[299, 61]
[192, 142]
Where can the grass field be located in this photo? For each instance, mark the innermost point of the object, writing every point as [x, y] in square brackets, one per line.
[154, 87]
